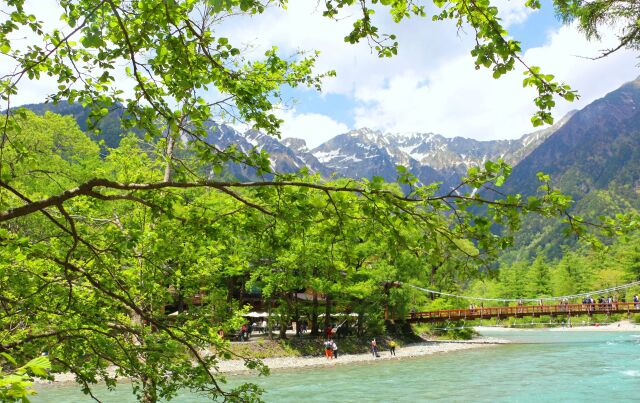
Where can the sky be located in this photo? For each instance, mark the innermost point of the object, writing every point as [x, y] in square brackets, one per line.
[430, 86]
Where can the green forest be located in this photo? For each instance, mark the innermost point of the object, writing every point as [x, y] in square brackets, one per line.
[103, 237]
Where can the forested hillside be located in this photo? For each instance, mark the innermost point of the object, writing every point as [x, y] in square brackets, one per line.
[594, 158]
[598, 148]
[106, 128]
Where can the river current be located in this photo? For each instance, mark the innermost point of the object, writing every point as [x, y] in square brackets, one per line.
[539, 366]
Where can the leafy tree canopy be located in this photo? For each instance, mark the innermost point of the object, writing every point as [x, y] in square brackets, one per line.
[96, 250]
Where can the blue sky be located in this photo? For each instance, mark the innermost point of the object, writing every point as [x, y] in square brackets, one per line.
[531, 31]
[338, 106]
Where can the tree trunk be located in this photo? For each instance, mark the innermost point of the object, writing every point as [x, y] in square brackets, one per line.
[283, 327]
[269, 323]
[296, 317]
[327, 311]
[242, 292]
[314, 315]
[284, 318]
[360, 322]
[149, 392]
[231, 284]
[314, 308]
[432, 280]
[168, 171]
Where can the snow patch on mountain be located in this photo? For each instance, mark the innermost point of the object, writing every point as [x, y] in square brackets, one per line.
[325, 157]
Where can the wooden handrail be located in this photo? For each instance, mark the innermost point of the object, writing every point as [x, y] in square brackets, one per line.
[506, 311]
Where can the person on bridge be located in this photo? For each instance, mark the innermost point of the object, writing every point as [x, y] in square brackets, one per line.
[636, 301]
[565, 304]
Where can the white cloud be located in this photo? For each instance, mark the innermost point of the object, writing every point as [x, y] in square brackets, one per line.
[37, 90]
[302, 27]
[455, 100]
[314, 128]
[512, 12]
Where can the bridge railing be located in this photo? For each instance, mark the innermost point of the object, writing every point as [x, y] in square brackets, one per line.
[529, 310]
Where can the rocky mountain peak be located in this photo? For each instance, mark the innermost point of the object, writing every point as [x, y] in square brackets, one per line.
[298, 145]
[369, 136]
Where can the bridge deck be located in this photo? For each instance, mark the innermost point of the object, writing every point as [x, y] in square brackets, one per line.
[522, 311]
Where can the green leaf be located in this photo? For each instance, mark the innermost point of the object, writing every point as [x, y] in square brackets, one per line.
[9, 358]
[39, 365]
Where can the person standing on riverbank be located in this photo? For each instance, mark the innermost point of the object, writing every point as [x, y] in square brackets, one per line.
[328, 349]
[392, 347]
[334, 347]
[374, 348]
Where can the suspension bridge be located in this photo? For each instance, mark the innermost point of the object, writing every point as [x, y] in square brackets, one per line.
[545, 306]
[523, 311]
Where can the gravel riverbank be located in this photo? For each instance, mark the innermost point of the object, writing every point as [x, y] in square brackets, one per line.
[412, 350]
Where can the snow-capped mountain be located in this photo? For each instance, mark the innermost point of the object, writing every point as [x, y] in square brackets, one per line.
[434, 150]
[286, 156]
[365, 153]
[361, 153]
[431, 157]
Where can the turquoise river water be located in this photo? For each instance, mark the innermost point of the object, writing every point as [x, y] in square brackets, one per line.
[539, 366]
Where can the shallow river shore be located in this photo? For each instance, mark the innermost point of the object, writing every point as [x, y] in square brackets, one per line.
[621, 326]
[412, 350]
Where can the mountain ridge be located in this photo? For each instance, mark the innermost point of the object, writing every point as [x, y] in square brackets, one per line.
[361, 153]
[365, 153]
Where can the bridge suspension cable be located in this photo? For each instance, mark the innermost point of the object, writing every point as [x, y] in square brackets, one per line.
[582, 294]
